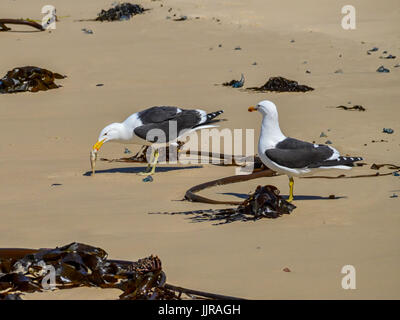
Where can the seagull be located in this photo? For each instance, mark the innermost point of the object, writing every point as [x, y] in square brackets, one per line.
[290, 156]
[156, 126]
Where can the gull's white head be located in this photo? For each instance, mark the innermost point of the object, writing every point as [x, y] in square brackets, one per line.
[267, 109]
[270, 130]
[113, 132]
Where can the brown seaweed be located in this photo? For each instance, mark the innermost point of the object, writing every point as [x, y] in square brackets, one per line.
[123, 11]
[235, 83]
[30, 23]
[265, 202]
[77, 264]
[29, 78]
[281, 84]
[166, 152]
[356, 108]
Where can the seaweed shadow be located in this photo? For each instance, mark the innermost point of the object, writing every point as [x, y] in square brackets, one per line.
[298, 197]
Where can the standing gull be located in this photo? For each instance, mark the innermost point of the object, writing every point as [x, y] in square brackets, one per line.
[155, 126]
[291, 156]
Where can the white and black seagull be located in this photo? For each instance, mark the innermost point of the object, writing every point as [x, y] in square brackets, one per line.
[291, 156]
[156, 126]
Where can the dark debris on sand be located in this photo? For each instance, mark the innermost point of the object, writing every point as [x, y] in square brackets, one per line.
[28, 78]
[77, 264]
[235, 83]
[355, 108]
[122, 11]
[281, 84]
[265, 202]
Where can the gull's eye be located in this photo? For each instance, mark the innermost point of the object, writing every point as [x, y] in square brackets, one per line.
[105, 134]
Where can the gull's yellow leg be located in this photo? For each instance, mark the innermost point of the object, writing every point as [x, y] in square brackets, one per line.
[145, 172]
[155, 157]
[291, 184]
[151, 165]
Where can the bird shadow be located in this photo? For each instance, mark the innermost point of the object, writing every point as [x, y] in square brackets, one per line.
[303, 197]
[298, 197]
[136, 170]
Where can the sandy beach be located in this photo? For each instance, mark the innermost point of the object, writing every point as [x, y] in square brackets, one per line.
[151, 60]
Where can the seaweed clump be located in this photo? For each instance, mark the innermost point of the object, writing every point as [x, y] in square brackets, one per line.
[265, 202]
[29, 78]
[281, 84]
[235, 83]
[78, 264]
[122, 11]
[75, 265]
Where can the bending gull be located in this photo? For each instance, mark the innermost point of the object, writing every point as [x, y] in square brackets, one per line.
[155, 126]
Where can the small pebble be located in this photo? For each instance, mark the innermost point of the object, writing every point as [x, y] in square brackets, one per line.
[384, 52]
[220, 46]
[292, 41]
[339, 71]
[396, 174]
[99, 85]
[373, 49]
[308, 71]
[181, 18]
[254, 63]
[322, 135]
[396, 65]
[286, 270]
[87, 31]
[238, 48]
[388, 130]
[394, 196]
[328, 142]
[127, 151]
[56, 184]
[148, 179]
[388, 57]
[382, 69]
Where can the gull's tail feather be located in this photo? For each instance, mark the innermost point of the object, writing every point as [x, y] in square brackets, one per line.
[340, 161]
[210, 118]
[212, 115]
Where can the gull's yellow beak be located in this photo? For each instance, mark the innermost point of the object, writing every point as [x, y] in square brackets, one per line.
[98, 144]
[252, 109]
